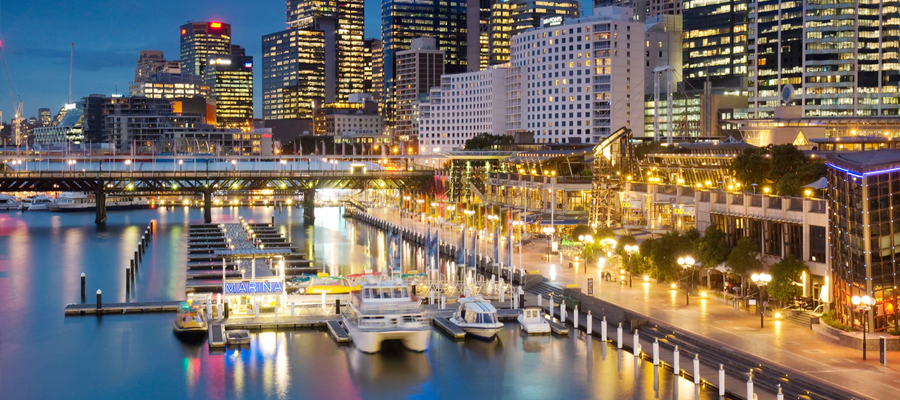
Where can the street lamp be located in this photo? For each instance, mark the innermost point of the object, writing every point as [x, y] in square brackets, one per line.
[762, 280]
[686, 263]
[585, 240]
[549, 231]
[629, 249]
[863, 305]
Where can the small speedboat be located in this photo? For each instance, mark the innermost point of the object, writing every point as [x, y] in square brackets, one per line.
[190, 321]
[237, 337]
[477, 317]
[532, 322]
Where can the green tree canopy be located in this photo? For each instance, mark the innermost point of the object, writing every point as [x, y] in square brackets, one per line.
[743, 258]
[785, 274]
[786, 159]
[712, 249]
[751, 166]
[664, 253]
[487, 142]
[581, 229]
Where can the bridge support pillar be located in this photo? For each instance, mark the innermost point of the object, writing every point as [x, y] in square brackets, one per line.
[100, 196]
[207, 206]
[309, 204]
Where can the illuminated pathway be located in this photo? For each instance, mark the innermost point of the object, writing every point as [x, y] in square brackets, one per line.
[782, 342]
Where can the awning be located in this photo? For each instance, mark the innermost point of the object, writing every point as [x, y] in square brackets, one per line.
[822, 183]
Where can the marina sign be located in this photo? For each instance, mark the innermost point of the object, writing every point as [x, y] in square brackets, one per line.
[253, 287]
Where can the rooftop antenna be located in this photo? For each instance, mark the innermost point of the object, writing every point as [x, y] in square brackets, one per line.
[71, 64]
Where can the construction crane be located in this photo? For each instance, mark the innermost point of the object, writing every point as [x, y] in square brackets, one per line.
[16, 133]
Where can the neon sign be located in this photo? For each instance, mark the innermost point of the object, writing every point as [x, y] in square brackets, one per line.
[215, 24]
[248, 65]
[253, 287]
[184, 31]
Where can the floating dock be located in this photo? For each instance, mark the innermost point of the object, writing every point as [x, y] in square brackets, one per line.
[216, 336]
[455, 332]
[558, 329]
[123, 308]
[338, 333]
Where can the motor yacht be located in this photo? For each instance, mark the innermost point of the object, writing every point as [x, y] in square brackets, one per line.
[80, 201]
[36, 203]
[532, 322]
[477, 317]
[386, 310]
[8, 203]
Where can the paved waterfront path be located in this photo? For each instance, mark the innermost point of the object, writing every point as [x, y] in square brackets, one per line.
[783, 342]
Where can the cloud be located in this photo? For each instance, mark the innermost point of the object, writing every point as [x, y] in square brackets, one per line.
[85, 59]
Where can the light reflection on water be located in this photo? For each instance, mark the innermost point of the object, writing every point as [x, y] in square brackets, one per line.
[136, 356]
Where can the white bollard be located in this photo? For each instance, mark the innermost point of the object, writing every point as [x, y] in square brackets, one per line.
[292, 309]
[603, 329]
[443, 301]
[575, 317]
[636, 343]
[540, 300]
[750, 388]
[656, 351]
[779, 396]
[323, 300]
[562, 312]
[219, 308]
[502, 292]
[721, 380]
[209, 310]
[276, 313]
[619, 336]
[696, 369]
[551, 308]
[675, 359]
[256, 309]
[590, 323]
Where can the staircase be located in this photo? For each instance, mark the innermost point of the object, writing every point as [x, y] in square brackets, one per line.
[545, 288]
[798, 317]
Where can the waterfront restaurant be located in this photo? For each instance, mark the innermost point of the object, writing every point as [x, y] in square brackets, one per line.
[864, 196]
[266, 289]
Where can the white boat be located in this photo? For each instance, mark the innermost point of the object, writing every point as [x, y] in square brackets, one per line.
[385, 310]
[8, 203]
[532, 322]
[80, 201]
[36, 203]
[237, 337]
[477, 317]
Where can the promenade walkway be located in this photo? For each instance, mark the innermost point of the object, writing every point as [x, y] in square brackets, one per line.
[788, 344]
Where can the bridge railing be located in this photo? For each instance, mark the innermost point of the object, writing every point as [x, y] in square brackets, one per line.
[200, 174]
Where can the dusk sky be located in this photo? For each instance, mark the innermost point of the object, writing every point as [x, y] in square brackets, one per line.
[108, 36]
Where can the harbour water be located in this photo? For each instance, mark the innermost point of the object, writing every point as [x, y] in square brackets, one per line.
[44, 355]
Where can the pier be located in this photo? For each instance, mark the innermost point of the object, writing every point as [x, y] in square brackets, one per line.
[123, 308]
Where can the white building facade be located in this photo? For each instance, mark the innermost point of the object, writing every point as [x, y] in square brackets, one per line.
[580, 81]
[464, 106]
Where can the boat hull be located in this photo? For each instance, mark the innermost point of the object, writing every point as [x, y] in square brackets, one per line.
[369, 341]
[108, 208]
[533, 327]
[482, 332]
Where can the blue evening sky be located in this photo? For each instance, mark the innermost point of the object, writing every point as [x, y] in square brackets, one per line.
[109, 34]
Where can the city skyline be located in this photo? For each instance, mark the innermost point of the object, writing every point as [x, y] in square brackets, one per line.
[105, 58]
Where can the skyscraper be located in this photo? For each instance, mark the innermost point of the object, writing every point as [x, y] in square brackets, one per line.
[403, 20]
[715, 44]
[199, 40]
[152, 61]
[45, 116]
[341, 22]
[293, 73]
[509, 18]
[377, 71]
[418, 70]
[644, 9]
[158, 78]
[230, 79]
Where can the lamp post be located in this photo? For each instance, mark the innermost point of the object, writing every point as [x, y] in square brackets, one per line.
[629, 249]
[521, 225]
[863, 305]
[762, 280]
[686, 263]
[451, 208]
[549, 231]
[585, 240]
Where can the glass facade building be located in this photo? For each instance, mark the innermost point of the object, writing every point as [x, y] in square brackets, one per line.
[510, 18]
[864, 195]
[715, 44]
[403, 20]
[199, 40]
[230, 79]
[293, 73]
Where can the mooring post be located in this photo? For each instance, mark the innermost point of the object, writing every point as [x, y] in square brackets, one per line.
[696, 369]
[127, 280]
[83, 281]
[619, 336]
[99, 300]
[721, 380]
[603, 329]
[656, 351]
[337, 306]
[575, 317]
[590, 323]
[636, 344]
[675, 359]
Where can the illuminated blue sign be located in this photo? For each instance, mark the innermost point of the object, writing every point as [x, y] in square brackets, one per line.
[253, 287]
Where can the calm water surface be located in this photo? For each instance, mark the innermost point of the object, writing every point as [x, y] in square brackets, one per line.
[44, 355]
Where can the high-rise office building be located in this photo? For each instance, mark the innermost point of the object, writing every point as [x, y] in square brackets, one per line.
[418, 70]
[367, 65]
[842, 59]
[403, 20]
[644, 9]
[715, 44]
[45, 117]
[509, 18]
[152, 61]
[580, 81]
[158, 78]
[230, 79]
[341, 22]
[238, 50]
[293, 73]
[377, 71]
[199, 40]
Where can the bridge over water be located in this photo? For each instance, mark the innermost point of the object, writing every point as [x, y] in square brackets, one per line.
[205, 175]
